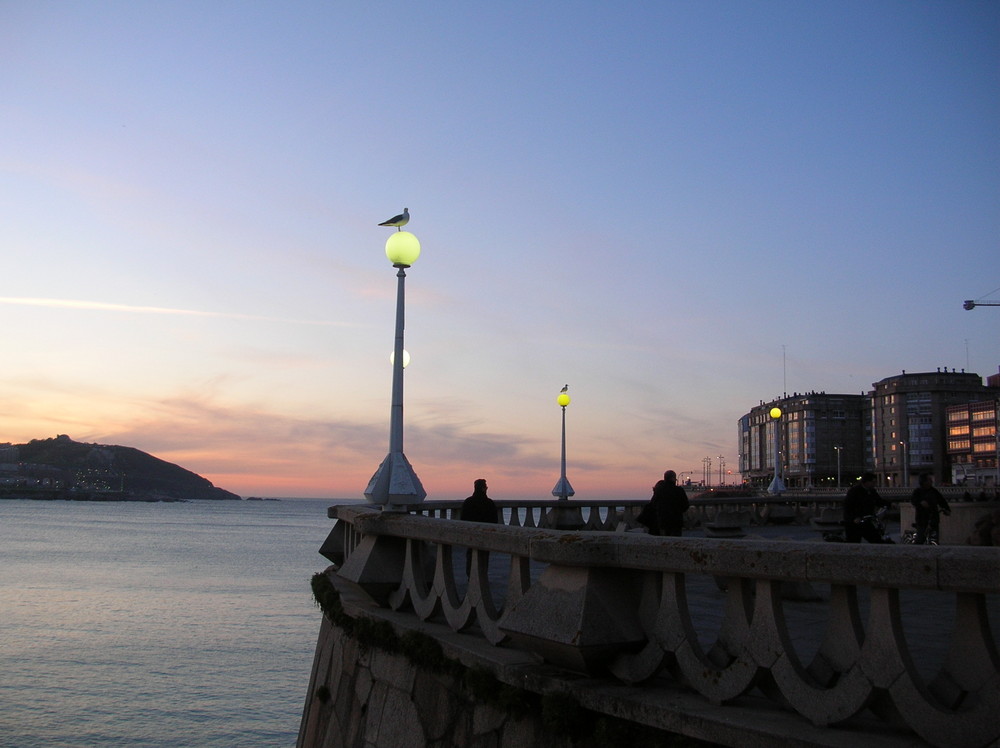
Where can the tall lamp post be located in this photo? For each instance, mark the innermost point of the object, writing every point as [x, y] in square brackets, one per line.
[839, 450]
[777, 485]
[906, 468]
[394, 483]
[563, 489]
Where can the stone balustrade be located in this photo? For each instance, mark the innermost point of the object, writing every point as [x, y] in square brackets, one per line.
[629, 606]
[620, 515]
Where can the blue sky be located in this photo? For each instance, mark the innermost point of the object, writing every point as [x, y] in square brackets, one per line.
[678, 208]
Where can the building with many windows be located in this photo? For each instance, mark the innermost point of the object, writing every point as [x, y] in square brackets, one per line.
[898, 430]
[973, 446]
[824, 440]
[909, 423]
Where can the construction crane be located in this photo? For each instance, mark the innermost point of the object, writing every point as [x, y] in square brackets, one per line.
[971, 304]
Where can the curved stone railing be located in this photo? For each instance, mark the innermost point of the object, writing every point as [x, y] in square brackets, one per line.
[623, 605]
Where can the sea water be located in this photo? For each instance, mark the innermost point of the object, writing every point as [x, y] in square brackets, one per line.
[157, 624]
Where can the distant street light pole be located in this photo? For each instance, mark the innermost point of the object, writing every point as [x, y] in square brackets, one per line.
[906, 468]
[839, 449]
[563, 489]
[722, 467]
[394, 483]
[777, 485]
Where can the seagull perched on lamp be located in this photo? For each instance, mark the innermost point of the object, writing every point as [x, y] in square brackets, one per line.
[565, 388]
[398, 221]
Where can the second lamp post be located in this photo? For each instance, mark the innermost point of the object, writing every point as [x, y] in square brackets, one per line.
[563, 489]
[777, 485]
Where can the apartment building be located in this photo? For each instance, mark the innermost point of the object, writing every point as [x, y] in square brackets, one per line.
[909, 423]
[973, 446]
[900, 429]
[824, 440]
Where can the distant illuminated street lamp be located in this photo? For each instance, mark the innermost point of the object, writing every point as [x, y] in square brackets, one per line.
[839, 450]
[777, 485]
[563, 489]
[394, 483]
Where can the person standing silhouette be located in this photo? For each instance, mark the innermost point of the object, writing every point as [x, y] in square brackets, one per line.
[669, 501]
[478, 508]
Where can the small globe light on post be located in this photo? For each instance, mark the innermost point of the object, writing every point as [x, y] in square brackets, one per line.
[563, 489]
[395, 484]
[777, 485]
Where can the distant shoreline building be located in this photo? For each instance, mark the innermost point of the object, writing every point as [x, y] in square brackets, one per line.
[942, 422]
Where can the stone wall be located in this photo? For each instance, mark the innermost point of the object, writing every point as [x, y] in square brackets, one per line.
[692, 636]
[374, 687]
[376, 699]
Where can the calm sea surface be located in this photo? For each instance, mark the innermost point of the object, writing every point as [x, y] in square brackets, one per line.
[168, 624]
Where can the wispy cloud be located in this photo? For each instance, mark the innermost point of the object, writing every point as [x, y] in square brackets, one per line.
[100, 306]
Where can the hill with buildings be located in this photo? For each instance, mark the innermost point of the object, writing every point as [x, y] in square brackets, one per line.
[61, 468]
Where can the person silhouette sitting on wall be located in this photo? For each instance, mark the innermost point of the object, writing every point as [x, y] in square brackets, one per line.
[478, 508]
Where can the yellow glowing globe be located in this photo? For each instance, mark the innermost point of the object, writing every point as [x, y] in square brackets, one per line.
[775, 412]
[563, 399]
[402, 249]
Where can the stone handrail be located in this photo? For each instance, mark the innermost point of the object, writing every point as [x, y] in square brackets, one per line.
[607, 603]
[620, 515]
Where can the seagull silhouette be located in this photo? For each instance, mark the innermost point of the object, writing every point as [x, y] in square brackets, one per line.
[565, 387]
[398, 221]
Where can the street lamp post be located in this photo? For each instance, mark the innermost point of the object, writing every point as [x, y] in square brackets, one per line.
[839, 449]
[563, 489]
[394, 483]
[906, 468]
[777, 485]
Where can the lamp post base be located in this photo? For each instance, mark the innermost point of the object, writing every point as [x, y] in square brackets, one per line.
[395, 483]
[563, 489]
[777, 486]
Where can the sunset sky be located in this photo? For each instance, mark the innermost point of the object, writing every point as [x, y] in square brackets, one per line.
[678, 208]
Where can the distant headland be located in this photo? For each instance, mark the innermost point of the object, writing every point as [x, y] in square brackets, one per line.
[63, 469]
